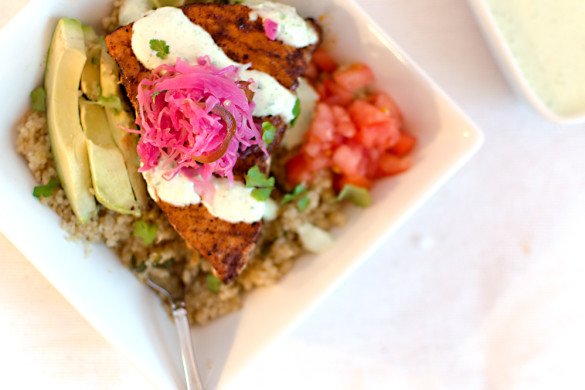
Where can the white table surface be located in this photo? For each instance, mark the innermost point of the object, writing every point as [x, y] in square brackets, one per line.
[481, 289]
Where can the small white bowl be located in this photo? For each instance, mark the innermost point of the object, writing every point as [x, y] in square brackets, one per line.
[125, 311]
[511, 66]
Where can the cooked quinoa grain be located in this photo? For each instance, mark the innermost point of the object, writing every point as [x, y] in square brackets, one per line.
[169, 258]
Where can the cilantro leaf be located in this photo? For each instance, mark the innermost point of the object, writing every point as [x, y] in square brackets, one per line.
[268, 132]
[112, 102]
[39, 98]
[255, 178]
[160, 47]
[47, 189]
[299, 189]
[296, 112]
[262, 185]
[356, 195]
[303, 203]
[213, 283]
[261, 194]
[145, 231]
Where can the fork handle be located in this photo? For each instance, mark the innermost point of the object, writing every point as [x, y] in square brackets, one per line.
[187, 354]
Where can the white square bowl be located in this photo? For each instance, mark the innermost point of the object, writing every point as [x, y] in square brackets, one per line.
[126, 312]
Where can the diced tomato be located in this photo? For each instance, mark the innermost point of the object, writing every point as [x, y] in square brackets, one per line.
[364, 113]
[336, 94]
[350, 159]
[323, 61]
[390, 164]
[297, 169]
[359, 140]
[359, 181]
[319, 162]
[313, 145]
[404, 145]
[381, 135]
[343, 123]
[385, 103]
[354, 76]
[323, 126]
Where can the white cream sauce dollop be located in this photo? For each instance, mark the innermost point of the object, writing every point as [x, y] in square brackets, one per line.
[231, 202]
[292, 29]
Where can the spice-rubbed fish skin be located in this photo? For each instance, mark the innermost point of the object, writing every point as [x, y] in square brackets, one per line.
[242, 40]
[226, 245]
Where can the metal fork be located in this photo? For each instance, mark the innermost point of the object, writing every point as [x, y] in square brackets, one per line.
[182, 324]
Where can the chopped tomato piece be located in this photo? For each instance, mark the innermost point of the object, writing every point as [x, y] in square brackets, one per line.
[343, 123]
[323, 126]
[354, 76]
[386, 104]
[390, 164]
[323, 61]
[336, 94]
[350, 159]
[364, 113]
[297, 169]
[359, 181]
[381, 135]
[404, 145]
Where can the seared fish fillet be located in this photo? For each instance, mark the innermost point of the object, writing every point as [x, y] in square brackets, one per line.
[227, 246]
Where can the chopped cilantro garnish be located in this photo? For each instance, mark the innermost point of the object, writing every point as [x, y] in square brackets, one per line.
[39, 97]
[112, 102]
[356, 195]
[303, 203]
[138, 267]
[268, 132]
[299, 189]
[47, 189]
[255, 178]
[262, 185]
[213, 283]
[296, 112]
[145, 231]
[300, 193]
[261, 194]
[160, 47]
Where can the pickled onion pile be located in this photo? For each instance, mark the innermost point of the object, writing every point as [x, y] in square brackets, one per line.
[180, 123]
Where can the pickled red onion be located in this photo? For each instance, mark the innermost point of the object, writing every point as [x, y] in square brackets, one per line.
[178, 122]
[270, 28]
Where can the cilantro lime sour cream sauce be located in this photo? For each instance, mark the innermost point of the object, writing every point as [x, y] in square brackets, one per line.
[292, 29]
[232, 203]
[547, 40]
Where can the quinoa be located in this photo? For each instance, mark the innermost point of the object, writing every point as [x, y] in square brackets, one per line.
[168, 257]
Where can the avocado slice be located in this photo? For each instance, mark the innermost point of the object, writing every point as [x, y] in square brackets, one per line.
[126, 141]
[90, 77]
[108, 171]
[65, 62]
